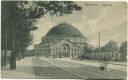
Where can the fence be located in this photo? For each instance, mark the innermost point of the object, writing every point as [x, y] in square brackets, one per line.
[107, 56]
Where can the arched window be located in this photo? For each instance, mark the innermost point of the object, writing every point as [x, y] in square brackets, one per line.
[71, 49]
[66, 47]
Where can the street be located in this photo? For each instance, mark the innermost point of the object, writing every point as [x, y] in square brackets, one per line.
[45, 70]
[50, 68]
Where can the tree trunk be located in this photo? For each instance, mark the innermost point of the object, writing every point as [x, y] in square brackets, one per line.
[19, 54]
[23, 55]
[5, 54]
[13, 60]
[13, 55]
[5, 57]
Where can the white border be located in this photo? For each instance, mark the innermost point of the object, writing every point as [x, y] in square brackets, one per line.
[59, 0]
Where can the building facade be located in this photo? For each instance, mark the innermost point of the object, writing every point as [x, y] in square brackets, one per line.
[106, 56]
[63, 40]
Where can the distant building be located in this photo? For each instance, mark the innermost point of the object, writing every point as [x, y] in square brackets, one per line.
[106, 56]
[63, 40]
[29, 53]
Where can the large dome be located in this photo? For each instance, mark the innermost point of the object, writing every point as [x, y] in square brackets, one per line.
[64, 30]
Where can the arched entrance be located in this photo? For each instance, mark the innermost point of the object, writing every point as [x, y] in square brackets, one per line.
[66, 51]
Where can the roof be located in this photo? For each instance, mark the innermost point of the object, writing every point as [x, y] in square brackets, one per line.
[66, 40]
[64, 29]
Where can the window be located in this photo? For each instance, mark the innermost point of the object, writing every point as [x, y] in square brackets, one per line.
[66, 47]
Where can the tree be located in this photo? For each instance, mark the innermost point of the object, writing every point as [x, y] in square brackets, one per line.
[123, 47]
[14, 23]
[19, 17]
[96, 50]
[88, 48]
[111, 46]
[123, 50]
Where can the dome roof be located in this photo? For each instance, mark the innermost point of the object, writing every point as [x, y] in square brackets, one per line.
[64, 30]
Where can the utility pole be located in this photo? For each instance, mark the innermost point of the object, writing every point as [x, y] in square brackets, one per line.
[99, 48]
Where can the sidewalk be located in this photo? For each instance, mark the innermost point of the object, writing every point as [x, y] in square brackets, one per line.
[24, 70]
[96, 64]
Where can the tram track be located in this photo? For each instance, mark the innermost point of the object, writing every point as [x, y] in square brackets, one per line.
[79, 70]
[68, 71]
[97, 68]
[92, 71]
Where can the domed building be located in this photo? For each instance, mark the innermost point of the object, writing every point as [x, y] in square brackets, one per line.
[63, 40]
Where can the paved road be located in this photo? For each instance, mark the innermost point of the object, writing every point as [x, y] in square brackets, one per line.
[44, 70]
[52, 68]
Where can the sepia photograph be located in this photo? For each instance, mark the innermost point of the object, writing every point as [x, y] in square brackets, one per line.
[64, 40]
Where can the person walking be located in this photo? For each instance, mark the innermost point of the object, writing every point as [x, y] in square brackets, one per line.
[103, 66]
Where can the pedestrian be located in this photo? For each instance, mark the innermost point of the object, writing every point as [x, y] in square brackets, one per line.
[54, 56]
[103, 65]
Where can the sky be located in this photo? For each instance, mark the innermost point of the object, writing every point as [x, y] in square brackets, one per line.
[108, 18]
